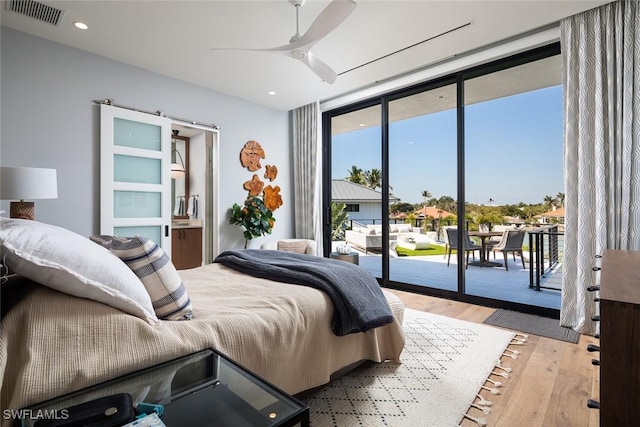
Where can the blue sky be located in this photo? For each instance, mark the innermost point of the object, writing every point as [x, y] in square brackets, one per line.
[513, 151]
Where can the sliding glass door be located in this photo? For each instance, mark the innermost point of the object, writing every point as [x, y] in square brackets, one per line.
[423, 182]
[513, 169]
[356, 197]
[438, 184]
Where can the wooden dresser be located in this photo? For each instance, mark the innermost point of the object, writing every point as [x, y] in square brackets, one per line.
[620, 339]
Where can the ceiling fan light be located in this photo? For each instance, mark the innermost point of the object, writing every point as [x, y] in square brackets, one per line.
[298, 54]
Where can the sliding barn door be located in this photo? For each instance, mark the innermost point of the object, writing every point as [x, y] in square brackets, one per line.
[135, 175]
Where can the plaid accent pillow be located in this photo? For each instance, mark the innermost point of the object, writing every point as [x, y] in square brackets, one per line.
[299, 246]
[156, 271]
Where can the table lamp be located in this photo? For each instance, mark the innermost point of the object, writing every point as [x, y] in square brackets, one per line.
[27, 183]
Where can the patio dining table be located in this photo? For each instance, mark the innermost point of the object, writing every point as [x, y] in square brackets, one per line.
[484, 235]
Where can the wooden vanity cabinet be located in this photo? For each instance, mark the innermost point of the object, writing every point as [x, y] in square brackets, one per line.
[186, 247]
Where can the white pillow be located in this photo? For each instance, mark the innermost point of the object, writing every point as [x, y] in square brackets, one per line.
[405, 228]
[73, 264]
[375, 227]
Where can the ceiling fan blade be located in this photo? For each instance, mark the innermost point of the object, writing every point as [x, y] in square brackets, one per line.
[282, 49]
[332, 16]
[321, 69]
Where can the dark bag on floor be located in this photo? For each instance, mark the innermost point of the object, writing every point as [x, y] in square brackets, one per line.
[108, 411]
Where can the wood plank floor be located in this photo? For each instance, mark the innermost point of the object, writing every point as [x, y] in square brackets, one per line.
[550, 382]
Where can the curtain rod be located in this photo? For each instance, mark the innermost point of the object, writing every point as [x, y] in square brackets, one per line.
[156, 113]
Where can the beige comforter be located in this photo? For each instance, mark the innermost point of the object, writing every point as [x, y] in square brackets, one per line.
[52, 343]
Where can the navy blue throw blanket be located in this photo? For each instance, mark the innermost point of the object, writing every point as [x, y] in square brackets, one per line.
[359, 304]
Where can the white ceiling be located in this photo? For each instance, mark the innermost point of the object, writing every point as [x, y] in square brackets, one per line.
[174, 38]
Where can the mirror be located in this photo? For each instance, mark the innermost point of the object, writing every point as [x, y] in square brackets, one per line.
[179, 179]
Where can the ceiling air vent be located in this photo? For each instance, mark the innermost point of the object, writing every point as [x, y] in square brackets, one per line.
[36, 10]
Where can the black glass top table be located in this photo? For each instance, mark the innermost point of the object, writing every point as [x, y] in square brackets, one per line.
[202, 389]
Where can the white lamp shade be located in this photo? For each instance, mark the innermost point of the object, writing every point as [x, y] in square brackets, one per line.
[177, 171]
[20, 183]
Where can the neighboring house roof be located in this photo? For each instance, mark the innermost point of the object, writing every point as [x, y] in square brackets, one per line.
[433, 212]
[400, 215]
[556, 213]
[343, 191]
[513, 220]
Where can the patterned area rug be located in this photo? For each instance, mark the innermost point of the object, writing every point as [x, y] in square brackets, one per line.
[445, 362]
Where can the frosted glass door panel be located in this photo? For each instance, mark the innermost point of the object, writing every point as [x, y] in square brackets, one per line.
[137, 204]
[132, 134]
[152, 233]
[135, 174]
[141, 170]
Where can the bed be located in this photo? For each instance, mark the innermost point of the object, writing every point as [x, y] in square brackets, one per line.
[52, 342]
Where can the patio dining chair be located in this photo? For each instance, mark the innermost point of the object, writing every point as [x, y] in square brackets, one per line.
[452, 243]
[493, 241]
[511, 242]
[446, 239]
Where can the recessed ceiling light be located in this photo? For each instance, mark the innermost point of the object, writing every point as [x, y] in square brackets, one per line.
[81, 25]
[271, 92]
[362, 125]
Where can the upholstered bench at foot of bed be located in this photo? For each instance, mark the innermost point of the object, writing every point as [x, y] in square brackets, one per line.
[397, 306]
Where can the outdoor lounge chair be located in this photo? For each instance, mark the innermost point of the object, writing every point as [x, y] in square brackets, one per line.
[511, 242]
[452, 243]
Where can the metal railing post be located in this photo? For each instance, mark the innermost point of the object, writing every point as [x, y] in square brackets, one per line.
[539, 256]
[530, 260]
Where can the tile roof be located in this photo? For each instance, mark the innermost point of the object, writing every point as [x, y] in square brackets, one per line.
[433, 212]
[557, 213]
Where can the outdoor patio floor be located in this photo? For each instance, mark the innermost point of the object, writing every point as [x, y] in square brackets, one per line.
[490, 282]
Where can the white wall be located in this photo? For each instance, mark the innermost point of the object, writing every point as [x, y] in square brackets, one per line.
[369, 211]
[48, 119]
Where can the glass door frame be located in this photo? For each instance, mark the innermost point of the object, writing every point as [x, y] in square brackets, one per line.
[383, 100]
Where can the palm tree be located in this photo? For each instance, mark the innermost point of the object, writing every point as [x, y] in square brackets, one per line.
[355, 175]
[373, 178]
[549, 202]
[425, 196]
[560, 199]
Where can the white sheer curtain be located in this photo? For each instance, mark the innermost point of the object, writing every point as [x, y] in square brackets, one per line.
[601, 67]
[306, 173]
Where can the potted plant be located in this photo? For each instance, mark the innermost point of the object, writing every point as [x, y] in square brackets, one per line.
[256, 219]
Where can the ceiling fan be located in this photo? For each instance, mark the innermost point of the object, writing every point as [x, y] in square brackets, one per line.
[299, 47]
